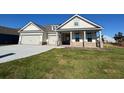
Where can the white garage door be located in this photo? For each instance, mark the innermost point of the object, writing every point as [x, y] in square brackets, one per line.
[52, 40]
[30, 39]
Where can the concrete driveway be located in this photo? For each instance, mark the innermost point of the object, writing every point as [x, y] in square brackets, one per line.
[12, 52]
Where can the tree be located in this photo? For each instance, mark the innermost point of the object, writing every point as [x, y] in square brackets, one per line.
[120, 34]
[119, 38]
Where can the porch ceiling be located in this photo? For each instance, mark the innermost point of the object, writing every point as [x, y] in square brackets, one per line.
[79, 29]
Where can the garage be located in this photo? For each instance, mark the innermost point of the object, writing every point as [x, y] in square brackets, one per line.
[52, 39]
[31, 39]
[32, 34]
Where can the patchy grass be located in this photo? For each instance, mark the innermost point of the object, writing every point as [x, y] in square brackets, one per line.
[68, 63]
[112, 46]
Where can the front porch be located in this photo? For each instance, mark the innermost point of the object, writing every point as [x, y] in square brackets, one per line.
[88, 39]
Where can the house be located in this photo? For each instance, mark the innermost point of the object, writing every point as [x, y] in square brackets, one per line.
[77, 31]
[8, 35]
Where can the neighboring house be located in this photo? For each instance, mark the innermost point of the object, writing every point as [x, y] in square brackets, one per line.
[76, 32]
[8, 35]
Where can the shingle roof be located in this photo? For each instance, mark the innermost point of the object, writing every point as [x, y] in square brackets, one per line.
[49, 27]
[40, 26]
[7, 30]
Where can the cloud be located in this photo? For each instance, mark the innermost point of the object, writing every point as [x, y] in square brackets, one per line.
[109, 38]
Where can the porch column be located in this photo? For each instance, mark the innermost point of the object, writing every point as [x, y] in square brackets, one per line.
[100, 40]
[57, 39]
[70, 37]
[84, 37]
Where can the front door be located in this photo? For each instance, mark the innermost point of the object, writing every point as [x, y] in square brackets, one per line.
[66, 38]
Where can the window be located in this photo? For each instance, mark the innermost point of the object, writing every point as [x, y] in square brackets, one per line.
[77, 37]
[76, 23]
[89, 36]
[89, 39]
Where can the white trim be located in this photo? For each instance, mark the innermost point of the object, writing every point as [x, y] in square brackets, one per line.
[76, 15]
[28, 25]
[84, 36]
[100, 39]
[70, 36]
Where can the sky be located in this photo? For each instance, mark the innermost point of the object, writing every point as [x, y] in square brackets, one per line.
[112, 23]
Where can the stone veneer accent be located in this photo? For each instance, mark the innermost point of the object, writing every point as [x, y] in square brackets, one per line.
[76, 44]
[90, 44]
[85, 44]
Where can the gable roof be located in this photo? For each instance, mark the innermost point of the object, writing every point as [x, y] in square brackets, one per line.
[40, 27]
[86, 20]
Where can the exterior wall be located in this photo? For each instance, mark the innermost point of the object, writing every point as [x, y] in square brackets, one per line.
[44, 37]
[83, 43]
[82, 24]
[59, 42]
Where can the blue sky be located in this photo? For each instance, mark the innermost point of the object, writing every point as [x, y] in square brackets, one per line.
[112, 23]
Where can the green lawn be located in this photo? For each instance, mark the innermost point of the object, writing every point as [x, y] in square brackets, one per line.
[68, 63]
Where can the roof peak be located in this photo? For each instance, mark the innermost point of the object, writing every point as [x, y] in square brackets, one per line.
[77, 15]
